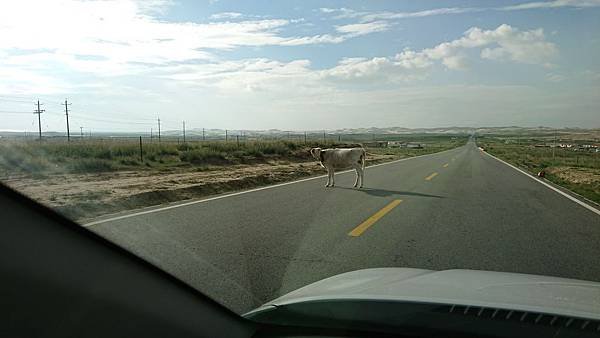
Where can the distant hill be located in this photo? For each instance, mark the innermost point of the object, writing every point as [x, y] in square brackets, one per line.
[220, 133]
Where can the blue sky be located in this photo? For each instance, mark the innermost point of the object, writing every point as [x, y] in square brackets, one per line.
[300, 65]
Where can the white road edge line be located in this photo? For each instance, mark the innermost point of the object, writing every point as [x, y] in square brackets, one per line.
[583, 204]
[247, 191]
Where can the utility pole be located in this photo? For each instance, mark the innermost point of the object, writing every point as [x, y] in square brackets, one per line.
[304, 137]
[151, 134]
[81, 130]
[141, 151]
[183, 131]
[203, 138]
[324, 140]
[39, 113]
[159, 130]
[554, 148]
[67, 115]
[225, 135]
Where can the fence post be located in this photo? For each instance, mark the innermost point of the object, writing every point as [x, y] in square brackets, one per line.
[141, 151]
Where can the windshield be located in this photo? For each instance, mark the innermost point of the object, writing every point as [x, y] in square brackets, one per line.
[253, 148]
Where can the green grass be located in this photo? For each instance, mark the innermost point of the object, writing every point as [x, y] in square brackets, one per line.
[524, 154]
[92, 156]
[97, 156]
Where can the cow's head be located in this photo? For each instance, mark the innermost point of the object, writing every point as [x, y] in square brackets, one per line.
[316, 153]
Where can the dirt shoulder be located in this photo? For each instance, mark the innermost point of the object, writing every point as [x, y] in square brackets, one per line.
[85, 196]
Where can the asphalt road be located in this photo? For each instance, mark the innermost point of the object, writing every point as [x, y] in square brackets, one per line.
[458, 209]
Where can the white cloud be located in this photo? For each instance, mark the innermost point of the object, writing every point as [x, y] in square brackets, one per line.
[405, 66]
[267, 76]
[155, 6]
[328, 10]
[525, 47]
[118, 32]
[363, 28]
[17, 81]
[418, 14]
[553, 77]
[348, 13]
[342, 13]
[505, 43]
[315, 39]
[122, 37]
[591, 74]
[554, 4]
[226, 15]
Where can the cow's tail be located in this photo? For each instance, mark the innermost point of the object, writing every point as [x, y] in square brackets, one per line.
[363, 158]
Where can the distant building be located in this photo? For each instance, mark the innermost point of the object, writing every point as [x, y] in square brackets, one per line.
[376, 144]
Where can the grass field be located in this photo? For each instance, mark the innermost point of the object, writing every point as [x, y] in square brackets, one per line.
[576, 170]
[50, 157]
[85, 179]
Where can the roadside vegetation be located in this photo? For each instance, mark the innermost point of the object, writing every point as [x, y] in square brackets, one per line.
[52, 156]
[565, 159]
[84, 179]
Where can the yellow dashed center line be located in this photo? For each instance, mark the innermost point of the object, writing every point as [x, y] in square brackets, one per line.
[428, 178]
[445, 165]
[362, 227]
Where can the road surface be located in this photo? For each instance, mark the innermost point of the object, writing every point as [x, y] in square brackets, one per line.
[455, 209]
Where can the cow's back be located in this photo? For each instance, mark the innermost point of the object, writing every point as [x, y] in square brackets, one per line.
[342, 158]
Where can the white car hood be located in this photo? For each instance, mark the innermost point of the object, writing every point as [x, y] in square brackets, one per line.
[511, 291]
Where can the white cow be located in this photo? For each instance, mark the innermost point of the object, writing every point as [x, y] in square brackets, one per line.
[342, 158]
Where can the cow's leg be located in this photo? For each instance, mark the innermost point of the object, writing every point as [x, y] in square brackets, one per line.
[332, 177]
[357, 176]
[361, 174]
[328, 177]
